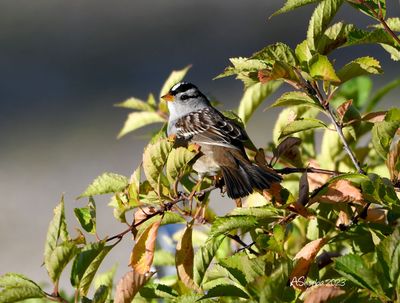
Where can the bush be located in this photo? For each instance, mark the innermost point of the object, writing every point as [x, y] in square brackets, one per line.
[329, 232]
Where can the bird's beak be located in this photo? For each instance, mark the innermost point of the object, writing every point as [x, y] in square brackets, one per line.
[168, 97]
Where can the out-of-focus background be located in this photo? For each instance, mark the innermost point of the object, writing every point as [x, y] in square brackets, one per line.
[63, 64]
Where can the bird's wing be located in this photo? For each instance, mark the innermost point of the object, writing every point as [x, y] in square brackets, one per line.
[208, 126]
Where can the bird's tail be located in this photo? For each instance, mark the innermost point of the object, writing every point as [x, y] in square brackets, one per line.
[241, 180]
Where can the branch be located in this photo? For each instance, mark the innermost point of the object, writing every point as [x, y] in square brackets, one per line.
[245, 246]
[165, 207]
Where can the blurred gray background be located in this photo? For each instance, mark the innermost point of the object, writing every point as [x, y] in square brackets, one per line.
[63, 64]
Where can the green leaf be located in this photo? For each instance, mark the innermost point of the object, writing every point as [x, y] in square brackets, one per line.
[106, 279]
[175, 77]
[365, 7]
[321, 69]
[357, 89]
[358, 67]
[296, 98]
[320, 19]
[354, 268]
[243, 268]
[16, 287]
[334, 37]
[168, 218]
[224, 288]
[163, 258]
[246, 69]
[301, 125]
[154, 158]
[137, 120]
[222, 225]
[158, 291]
[303, 54]
[203, 258]
[59, 258]
[254, 96]
[86, 264]
[276, 52]
[394, 52]
[56, 232]
[385, 251]
[134, 103]
[104, 184]
[380, 191]
[291, 5]
[87, 216]
[101, 294]
[177, 162]
[382, 136]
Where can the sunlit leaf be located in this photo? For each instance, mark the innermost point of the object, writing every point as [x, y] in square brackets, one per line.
[154, 159]
[358, 67]
[177, 162]
[143, 252]
[134, 103]
[56, 232]
[320, 20]
[291, 5]
[16, 287]
[276, 52]
[383, 132]
[137, 120]
[301, 125]
[225, 224]
[368, 7]
[321, 69]
[334, 37]
[303, 54]
[184, 258]
[59, 258]
[104, 184]
[296, 98]
[254, 96]
[129, 285]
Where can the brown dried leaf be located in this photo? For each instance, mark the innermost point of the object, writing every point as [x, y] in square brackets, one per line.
[322, 293]
[316, 180]
[184, 258]
[129, 285]
[341, 191]
[303, 190]
[377, 215]
[143, 252]
[305, 257]
[289, 151]
[374, 117]
[343, 219]
[343, 108]
[274, 194]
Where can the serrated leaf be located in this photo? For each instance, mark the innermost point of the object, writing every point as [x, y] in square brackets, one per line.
[279, 71]
[243, 268]
[168, 218]
[158, 291]
[354, 268]
[382, 136]
[135, 103]
[87, 216]
[203, 258]
[16, 287]
[322, 293]
[303, 54]
[291, 5]
[223, 287]
[301, 125]
[276, 52]
[296, 98]
[154, 158]
[320, 19]
[358, 67]
[334, 37]
[322, 69]
[59, 258]
[393, 51]
[177, 162]
[86, 264]
[393, 23]
[243, 66]
[56, 232]
[104, 184]
[137, 120]
[254, 96]
[184, 258]
[143, 252]
[222, 225]
[129, 285]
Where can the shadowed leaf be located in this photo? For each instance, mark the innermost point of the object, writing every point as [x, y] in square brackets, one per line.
[129, 285]
[322, 293]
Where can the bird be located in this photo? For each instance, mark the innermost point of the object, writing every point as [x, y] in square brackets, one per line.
[193, 119]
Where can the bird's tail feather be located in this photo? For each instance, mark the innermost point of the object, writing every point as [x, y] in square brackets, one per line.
[241, 181]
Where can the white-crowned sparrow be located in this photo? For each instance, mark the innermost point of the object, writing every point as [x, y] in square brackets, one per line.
[193, 119]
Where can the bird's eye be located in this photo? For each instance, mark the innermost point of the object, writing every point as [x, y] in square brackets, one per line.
[184, 97]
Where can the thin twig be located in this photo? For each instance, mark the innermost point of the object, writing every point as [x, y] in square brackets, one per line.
[55, 298]
[245, 246]
[379, 16]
